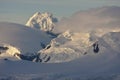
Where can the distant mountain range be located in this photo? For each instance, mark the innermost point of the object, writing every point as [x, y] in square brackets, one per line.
[37, 41]
[85, 46]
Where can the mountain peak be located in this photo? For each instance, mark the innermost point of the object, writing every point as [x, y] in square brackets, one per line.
[43, 21]
[36, 14]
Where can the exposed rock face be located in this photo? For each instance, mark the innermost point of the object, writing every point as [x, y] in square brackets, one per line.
[95, 47]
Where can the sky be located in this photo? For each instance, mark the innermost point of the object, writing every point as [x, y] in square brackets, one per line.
[19, 11]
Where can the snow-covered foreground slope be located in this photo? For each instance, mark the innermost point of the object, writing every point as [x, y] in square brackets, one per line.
[103, 66]
[24, 39]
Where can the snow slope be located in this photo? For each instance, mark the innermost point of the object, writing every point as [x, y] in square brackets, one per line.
[42, 21]
[24, 39]
[103, 66]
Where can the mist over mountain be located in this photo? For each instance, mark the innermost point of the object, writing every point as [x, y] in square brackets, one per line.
[104, 19]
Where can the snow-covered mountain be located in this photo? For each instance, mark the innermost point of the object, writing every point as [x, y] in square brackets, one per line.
[71, 45]
[42, 21]
[21, 39]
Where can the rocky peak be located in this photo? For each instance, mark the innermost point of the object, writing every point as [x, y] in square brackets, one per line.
[43, 21]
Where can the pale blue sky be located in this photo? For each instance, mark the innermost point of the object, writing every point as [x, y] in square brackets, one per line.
[19, 11]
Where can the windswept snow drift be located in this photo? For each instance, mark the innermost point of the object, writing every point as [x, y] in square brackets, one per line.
[26, 40]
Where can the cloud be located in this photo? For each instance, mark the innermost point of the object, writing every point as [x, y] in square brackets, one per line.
[97, 18]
